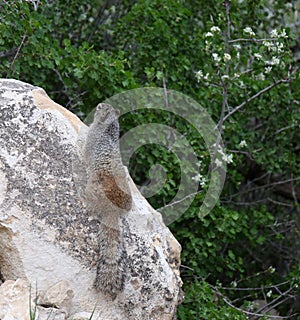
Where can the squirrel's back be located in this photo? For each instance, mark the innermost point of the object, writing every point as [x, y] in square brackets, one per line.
[107, 192]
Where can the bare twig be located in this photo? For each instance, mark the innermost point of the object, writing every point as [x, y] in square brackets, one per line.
[181, 200]
[224, 83]
[295, 197]
[256, 314]
[18, 51]
[253, 313]
[61, 80]
[269, 185]
[273, 85]
[257, 289]
[284, 129]
[252, 40]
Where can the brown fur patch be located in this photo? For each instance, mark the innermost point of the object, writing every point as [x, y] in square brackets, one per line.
[112, 191]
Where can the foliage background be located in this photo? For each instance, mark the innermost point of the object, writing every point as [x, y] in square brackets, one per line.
[247, 248]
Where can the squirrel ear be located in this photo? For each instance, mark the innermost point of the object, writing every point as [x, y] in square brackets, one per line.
[100, 106]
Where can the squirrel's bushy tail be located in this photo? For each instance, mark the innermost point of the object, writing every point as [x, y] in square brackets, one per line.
[111, 265]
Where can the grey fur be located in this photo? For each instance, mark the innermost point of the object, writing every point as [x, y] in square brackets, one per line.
[108, 196]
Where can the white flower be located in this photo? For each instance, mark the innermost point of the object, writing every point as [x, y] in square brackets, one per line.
[227, 57]
[288, 5]
[228, 158]
[238, 55]
[267, 44]
[202, 182]
[258, 56]
[218, 163]
[237, 47]
[273, 48]
[249, 31]
[268, 69]
[215, 29]
[271, 269]
[216, 57]
[269, 293]
[274, 33]
[242, 144]
[234, 284]
[197, 177]
[199, 75]
[200, 178]
[207, 45]
[261, 76]
[279, 46]
[275, 61]
[237, 75]
[208, 34]
[206, 77]
[283, 34]
[225, 77]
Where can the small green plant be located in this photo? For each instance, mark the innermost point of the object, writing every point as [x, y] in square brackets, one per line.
[32, 309]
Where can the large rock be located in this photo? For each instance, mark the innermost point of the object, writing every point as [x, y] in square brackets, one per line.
[16, 300]
[46, 236]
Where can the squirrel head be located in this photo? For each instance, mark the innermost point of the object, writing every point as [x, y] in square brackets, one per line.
[105, 113]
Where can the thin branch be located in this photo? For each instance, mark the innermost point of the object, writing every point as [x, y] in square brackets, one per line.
[224, 82]
[252, 313]
[280, 203]
[268, 307]
[18, 51]
[244, 311]
[186, 267]
[240, 203]
[265, 186]
[295, 198]
[284, 129]
[258, 289]
[65, 89]
[252, 40]
[181, 200]
[98, 19]
[273, 85]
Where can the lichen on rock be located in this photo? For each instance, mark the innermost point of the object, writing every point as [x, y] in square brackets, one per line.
[46, 235]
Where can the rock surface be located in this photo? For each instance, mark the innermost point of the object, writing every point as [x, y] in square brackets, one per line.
[14, 300]
[46, 236]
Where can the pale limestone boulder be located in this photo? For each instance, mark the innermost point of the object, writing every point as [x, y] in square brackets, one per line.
[16, 300]
[82, 316]
[59, 296]
[46, 235]
[50, 314]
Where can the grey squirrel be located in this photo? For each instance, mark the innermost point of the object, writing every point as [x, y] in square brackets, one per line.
[108, 196]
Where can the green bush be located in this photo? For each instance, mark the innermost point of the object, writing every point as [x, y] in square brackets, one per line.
[238, 59]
